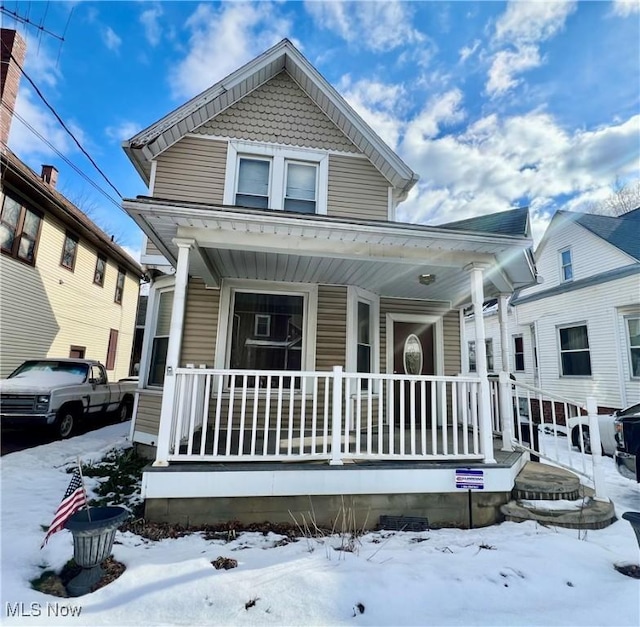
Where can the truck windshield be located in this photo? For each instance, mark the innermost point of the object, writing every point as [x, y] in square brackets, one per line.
[75, 371]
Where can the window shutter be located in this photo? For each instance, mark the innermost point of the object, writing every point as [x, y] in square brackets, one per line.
[111, 350]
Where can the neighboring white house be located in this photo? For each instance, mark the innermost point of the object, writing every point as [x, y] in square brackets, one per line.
[577, 333]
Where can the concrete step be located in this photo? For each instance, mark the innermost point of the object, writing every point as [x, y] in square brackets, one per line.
[538, 481]
[554, 496]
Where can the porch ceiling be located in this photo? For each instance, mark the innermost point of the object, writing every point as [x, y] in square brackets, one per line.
[385, 258]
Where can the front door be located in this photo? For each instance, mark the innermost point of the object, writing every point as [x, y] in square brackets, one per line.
[413, 354]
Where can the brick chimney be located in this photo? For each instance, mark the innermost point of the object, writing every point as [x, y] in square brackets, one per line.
[13, 51]
[50, 175]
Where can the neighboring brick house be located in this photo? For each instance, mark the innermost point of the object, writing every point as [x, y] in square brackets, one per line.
[66, 289]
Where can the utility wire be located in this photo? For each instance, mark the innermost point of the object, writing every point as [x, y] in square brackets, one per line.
[66, 160]
[66, 128]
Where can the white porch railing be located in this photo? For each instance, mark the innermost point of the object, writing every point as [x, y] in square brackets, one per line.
[245, 415]
[536, 421]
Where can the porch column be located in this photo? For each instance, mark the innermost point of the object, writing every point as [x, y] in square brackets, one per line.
[173, 351]
[505, 395]
[484, 413]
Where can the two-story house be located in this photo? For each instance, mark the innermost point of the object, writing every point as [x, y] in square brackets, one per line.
[66, 289]
[576, 333]
[307, 343]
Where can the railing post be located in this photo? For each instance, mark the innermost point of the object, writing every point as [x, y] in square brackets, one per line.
[336, 417]
[596, 449]
[506, 410]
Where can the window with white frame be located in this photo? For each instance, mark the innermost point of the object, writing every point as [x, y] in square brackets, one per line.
[574, 351]
[253, 183]
[160, 342]
[488, 343]
[566, 265]
[268, 331]
[633, 337]
[518, 352]
[264, 176]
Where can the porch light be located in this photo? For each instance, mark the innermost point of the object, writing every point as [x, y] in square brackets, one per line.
[427, 279]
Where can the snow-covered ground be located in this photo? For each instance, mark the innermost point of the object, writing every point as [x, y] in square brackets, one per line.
[508, 574]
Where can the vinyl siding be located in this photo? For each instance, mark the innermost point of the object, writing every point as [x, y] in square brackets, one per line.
[47, 308]
[450, 329]
[192, 170]
[150, 248]
[331, 340]
[279, 112]
[147, 418]
[356, 189]
[200, 325]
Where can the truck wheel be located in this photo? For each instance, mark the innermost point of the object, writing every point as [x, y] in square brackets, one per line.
[65, 423]
[124, 411]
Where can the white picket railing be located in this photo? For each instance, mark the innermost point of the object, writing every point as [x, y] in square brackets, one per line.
[243, 415]
[536, 421]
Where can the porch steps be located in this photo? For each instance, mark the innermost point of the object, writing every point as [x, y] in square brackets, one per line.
[554, 496]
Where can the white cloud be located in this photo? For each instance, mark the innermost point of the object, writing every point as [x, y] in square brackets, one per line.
[625, 8]
[468, 51]
[440, 110]
[519, 31]
[41, 63]
[378, 104]
[222, 40]
[377, 26]
[123, 130]
[111, 39]
[149, 20]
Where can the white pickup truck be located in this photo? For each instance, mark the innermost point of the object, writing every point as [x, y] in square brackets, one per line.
[58, 393]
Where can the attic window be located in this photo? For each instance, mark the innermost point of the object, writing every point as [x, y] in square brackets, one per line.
[253, 183]
[300, 192]
[566, 265]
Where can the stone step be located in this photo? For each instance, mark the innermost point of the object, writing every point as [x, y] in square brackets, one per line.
[538, 481]
[581, 513]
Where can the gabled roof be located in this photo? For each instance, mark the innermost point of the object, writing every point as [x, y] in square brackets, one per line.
[149, 143]
[20, 177]
[622, 231]
[513, 222]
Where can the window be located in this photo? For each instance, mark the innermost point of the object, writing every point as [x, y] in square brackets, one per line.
[263, 325]
[253, 183]
[566, 269]
[472, 355]
[119, 286]
[364, 337]
[101, 268]
[300, 190]
[281, 349]
[518, 352]
[98, 375]
[160, 338]
[112, 349]
[574, 351]
[264, 176]
[19, 230]
[77, 352]
[69, 251]
[633, 329]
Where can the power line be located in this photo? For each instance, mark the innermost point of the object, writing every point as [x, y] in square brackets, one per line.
[66, 128]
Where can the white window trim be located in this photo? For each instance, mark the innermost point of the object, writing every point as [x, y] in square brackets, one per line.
[237, 176]
[563, 266]
[560, 351]
[524, 359]
[310, 313]
[163, 284]
[279, 156]
[354, 296]
[628, 343]
[314, 165]
[258, 318]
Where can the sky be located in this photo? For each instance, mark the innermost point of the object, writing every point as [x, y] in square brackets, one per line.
[507, 574]
[495, 105]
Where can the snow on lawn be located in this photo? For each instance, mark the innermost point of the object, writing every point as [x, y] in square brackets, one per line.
[508, 574]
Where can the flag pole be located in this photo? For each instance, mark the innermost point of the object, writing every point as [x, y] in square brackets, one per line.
[84, 489]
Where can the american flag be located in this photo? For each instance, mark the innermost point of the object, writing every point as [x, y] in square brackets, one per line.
[74, 499]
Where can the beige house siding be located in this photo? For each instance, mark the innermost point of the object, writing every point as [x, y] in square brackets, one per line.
[200, 325]
[279, 112]
[331, 336]
[192, 170]
[46, 309]
[147, 418]
[356, 189]
[450, 326]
